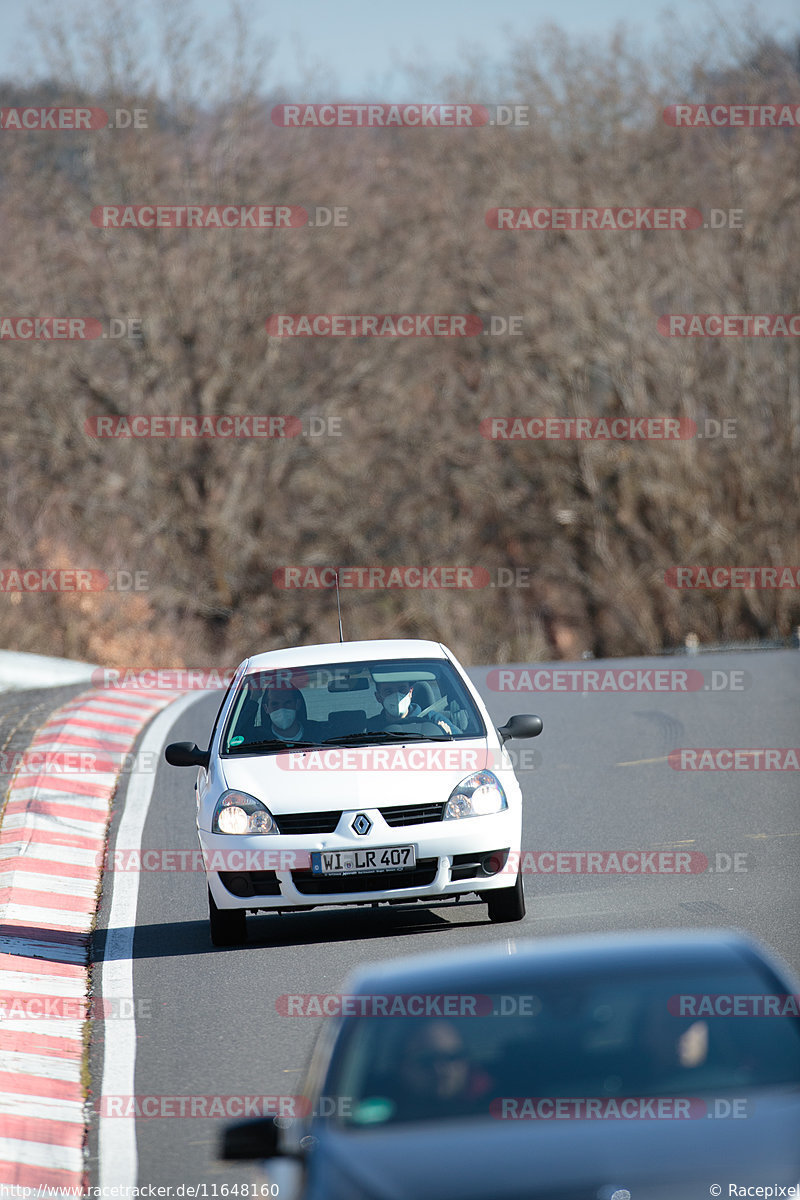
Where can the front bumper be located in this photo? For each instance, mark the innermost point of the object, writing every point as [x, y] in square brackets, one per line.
[274, 872]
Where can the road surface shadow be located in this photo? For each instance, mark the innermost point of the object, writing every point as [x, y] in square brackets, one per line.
[178, 939]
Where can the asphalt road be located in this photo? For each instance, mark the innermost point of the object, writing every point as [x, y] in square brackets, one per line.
[599, 780]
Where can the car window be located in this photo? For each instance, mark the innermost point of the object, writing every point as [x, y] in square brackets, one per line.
[604, 1038]
[219, 713]
[343, 700]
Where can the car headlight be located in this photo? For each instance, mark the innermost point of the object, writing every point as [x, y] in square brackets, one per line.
[236, 812]
[478, 795]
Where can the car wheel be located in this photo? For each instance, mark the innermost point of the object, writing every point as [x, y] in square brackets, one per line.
[228, 925]
[507, 904]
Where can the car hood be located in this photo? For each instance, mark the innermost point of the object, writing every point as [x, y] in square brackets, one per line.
[357, 776]
[561, 1160]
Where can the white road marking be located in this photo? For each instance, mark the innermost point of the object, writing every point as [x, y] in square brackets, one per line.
[118, 1157]
[757, 836]
[641, 762]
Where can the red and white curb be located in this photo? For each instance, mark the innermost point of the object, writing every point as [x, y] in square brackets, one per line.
[52, 839]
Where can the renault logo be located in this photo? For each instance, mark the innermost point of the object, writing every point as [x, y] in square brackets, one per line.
[362, 824]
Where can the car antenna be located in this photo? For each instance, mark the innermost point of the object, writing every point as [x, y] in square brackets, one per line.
[338, 606]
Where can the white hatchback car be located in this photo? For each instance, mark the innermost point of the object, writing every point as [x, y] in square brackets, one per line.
[356, 773]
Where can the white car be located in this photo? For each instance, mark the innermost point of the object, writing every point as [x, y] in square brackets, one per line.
[356, 773]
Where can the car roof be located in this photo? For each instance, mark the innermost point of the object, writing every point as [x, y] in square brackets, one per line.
[341, 652]
[499, 966]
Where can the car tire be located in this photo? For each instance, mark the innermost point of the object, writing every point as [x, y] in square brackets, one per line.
[228, 926]
[507, 904]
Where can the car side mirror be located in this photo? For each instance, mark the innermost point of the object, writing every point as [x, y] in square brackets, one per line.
[186, 754]
[524, 725]
[259, 1138]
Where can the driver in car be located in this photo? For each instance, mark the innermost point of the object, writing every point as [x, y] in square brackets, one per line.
[436, 1077]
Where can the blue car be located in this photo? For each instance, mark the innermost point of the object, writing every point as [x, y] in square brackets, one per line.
[646, 1066]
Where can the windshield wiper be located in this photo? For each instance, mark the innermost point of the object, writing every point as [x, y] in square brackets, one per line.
[382, 735]
[273, 744]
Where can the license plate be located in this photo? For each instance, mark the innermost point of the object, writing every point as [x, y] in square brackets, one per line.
[362, 862]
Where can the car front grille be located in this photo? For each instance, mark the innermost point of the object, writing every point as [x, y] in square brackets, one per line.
[413, 814]
[326, 822]
[309, 822]
[421, 875]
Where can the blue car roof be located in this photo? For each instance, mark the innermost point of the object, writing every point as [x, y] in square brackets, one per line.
[495, 966]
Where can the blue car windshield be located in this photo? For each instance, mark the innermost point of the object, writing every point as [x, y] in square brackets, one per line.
[351, 703]
[651, 1035]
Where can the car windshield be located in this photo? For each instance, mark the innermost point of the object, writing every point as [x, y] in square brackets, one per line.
[377, 701]
[607, 1038]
